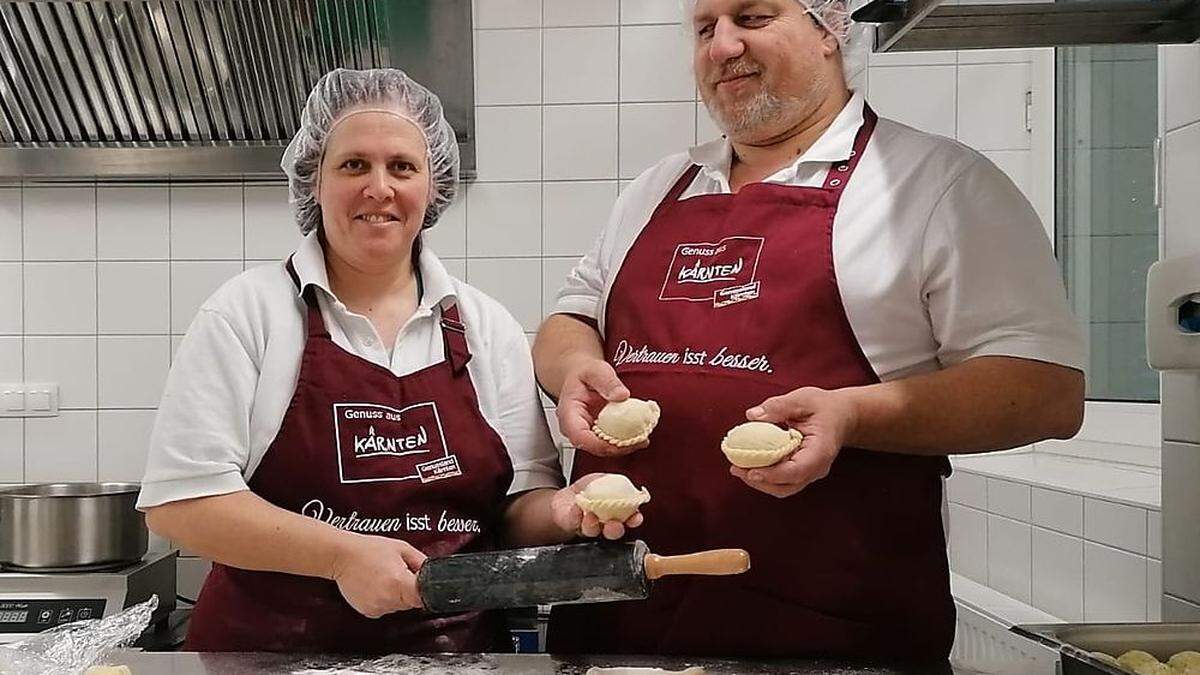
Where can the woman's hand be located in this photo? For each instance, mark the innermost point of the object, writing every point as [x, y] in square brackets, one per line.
[378, 575]
[571, 518]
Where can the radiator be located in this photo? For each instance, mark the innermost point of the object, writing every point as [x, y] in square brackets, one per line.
[983, 643]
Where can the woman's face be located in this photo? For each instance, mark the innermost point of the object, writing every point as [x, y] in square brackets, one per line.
[373, 189]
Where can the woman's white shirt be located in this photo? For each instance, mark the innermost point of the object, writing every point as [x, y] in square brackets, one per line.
[235, 372]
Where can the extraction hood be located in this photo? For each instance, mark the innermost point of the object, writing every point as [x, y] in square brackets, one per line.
[916, 25]
[203, 89]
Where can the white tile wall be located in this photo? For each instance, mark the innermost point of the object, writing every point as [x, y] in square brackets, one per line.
[133, 223]
[1062, 553]
[580, 65]
[10, 224]
[206, 223]
[504, 219]
[69, 360]
[580, 13]
[1057, 580]
[969, 542]
[1114, 586]
[1058, 511]
[508, 66]
[1116, 525]
[61, 448]
[1008, 499]
[59, 223]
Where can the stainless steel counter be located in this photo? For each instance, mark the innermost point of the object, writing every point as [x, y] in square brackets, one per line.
[189, 663]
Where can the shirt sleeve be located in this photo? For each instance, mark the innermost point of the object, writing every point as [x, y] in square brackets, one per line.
[584, 286]
[520, 419]
[200, 444]
[990, 281]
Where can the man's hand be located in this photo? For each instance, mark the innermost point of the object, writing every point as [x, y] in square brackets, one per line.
[826, 418]
[378, 575]
[587, 387]
[571, 518]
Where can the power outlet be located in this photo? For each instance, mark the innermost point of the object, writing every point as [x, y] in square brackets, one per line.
[29, 399]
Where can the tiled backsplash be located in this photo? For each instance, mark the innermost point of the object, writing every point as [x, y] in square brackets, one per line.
[574, 98]
[1073, 556]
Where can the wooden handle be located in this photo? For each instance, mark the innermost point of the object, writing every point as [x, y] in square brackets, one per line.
[722, 561]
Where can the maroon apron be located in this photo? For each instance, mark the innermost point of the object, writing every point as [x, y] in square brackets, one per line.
[723, 301]
[406, 457]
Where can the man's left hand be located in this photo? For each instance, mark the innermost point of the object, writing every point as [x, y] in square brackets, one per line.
[825, 417]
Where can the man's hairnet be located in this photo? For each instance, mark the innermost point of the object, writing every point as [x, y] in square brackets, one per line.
[386, 89]
[834, 17]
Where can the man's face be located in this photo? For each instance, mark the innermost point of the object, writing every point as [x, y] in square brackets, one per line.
[761, 65]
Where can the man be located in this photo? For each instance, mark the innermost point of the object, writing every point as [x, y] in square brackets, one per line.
[888, 293]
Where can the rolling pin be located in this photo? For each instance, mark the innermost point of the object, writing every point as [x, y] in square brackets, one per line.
[564, 574]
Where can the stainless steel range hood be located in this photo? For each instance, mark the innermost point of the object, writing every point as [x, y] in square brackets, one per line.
[915, 25]
[148, 89]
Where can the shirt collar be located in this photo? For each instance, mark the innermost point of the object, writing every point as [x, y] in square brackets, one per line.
[834, 144]
[309, 262]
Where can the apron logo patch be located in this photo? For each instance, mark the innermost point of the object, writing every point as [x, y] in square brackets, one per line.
[722, 272]
[380, 443]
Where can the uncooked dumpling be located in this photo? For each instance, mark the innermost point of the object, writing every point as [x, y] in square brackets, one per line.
[612, 497]
[1107, 658]
[627, 422]
[1142, 663]
[757, 444]
[1185, 660]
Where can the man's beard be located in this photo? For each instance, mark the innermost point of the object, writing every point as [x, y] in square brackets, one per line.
[751, 119]
[739, 118]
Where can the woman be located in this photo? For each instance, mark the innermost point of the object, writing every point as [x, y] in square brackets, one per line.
[330, 421]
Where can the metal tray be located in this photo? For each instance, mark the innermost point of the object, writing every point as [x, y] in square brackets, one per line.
[1075, 641]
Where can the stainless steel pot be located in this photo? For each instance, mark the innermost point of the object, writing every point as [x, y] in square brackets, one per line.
[71, 526]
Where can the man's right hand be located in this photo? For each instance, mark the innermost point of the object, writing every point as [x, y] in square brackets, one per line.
[378, 575]
[587, 388]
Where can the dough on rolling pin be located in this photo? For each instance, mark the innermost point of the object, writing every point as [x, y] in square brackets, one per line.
[636, 670]
[108, 670]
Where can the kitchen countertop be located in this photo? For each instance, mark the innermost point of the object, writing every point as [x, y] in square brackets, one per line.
[191, 663]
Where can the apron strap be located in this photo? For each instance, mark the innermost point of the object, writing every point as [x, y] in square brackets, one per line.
[316, 323]
[676, 190]
[839, 174]
[454, 336]
[835, 181]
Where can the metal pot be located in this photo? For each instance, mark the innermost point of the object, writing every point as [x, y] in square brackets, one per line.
[71, 526]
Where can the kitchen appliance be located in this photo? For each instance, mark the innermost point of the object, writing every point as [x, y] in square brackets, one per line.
[204, 89]
[1076, 641]
[31, 602]
[1173, 348]
[563, 574]
[71, 527]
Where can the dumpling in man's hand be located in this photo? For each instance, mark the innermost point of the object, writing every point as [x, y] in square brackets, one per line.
[626, 423]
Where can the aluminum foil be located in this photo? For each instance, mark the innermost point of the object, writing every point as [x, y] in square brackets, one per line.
[72, 648]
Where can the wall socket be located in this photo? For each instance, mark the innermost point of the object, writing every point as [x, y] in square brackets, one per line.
[28, 399]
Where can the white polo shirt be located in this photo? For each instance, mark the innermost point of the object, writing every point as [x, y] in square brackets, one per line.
[234, 374]
[938, 255]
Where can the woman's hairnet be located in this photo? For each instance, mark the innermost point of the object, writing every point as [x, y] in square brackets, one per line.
[388, 89]
[833, 16]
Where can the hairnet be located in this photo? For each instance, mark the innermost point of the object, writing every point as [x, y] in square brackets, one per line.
[341, 91]
[834, 17]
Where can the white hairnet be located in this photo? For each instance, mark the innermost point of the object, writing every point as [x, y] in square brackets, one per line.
[833, 16]
[386, 89]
